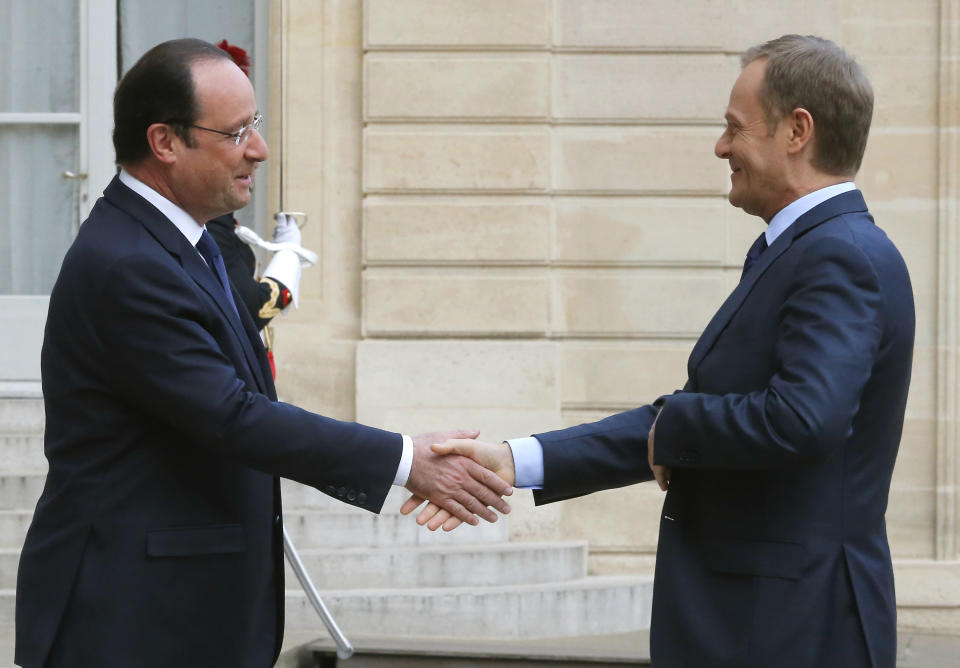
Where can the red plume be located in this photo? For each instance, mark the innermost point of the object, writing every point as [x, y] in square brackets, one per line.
[239, 56]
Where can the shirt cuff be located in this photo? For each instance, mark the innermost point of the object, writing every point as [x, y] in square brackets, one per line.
[406, 462]
[527, 462]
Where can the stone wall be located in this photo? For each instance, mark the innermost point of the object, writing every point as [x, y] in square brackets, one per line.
[522, 225]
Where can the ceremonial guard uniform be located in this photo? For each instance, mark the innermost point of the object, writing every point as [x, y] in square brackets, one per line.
[265, 297]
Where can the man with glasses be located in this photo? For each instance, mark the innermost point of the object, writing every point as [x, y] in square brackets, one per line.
[157, 539]
[267, 295]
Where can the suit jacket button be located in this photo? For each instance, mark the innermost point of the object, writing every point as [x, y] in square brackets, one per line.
[361, 497]
[341, 492]
[352, 495]
[276, 518]
[330, 489]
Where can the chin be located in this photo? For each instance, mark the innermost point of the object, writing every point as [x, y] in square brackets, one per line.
[239, 201]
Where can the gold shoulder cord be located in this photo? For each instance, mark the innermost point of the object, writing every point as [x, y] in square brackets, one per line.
[270, 309]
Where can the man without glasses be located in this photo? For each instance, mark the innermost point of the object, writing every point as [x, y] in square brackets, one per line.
[778, 452]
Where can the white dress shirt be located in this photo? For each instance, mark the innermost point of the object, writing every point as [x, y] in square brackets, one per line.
[528, 451]
[183, 221]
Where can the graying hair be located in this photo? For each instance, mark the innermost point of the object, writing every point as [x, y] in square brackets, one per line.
[812, 73]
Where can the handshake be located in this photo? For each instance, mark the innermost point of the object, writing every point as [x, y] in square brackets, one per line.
[459, 478]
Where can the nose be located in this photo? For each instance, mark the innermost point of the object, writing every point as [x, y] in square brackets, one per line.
[256, 147]
[722, 147]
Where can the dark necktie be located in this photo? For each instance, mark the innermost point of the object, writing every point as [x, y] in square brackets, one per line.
[211, 253]
[753, 254]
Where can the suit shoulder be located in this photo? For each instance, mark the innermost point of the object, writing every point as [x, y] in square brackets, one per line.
[109, 238]
[853, 250]
[109, 234]
[854, 234]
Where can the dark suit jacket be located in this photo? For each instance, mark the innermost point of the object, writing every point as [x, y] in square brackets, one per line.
[157, 540]
[773, 548]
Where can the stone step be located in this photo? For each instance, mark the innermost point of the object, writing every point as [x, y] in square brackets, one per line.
[9, 561]
[21, 416]
[588, 606]
[313, 519]
[13, 527]
[6, 646]
[325, 529]
[457, 651]
[444, 566]
[22, 452]
[7, 605]
[20, 491]
[330, 529]
[20, 488]
[455, 565]
[385, 658]
[24, 469]
[21, 389]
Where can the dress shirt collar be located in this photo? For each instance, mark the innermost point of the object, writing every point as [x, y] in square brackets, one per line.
[788, 214]
[183, 221]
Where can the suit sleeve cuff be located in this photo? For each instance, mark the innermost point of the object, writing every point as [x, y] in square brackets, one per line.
[406, 462]
[527, 462]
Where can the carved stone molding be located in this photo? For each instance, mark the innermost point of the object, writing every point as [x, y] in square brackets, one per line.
[948, 335]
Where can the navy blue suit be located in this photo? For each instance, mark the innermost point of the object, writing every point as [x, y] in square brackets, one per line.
[773, 547]
[157, 540]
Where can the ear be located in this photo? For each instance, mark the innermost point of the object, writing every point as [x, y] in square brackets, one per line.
[163, 142]
[801, 130]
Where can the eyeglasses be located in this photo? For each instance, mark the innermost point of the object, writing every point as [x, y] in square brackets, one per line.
[240, 135]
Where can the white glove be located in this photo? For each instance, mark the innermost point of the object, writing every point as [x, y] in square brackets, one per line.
[285, 267]
[286, 230]
[307, 257]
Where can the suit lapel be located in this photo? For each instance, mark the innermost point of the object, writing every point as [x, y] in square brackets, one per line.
[205, 278]
[844, 203]
[167, 234]
[266, 375]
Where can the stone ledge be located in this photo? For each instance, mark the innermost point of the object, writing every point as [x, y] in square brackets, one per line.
[923, 583]
[576, 607]
[632, 648]
[20, 389]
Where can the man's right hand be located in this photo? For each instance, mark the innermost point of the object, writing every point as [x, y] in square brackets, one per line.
[495, 457]
[456, 485]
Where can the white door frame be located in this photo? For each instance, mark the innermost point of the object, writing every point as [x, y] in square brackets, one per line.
[98, 81]
[22, 317]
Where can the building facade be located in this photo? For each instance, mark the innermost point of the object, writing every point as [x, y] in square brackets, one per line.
[520, 219]
[523, 226]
